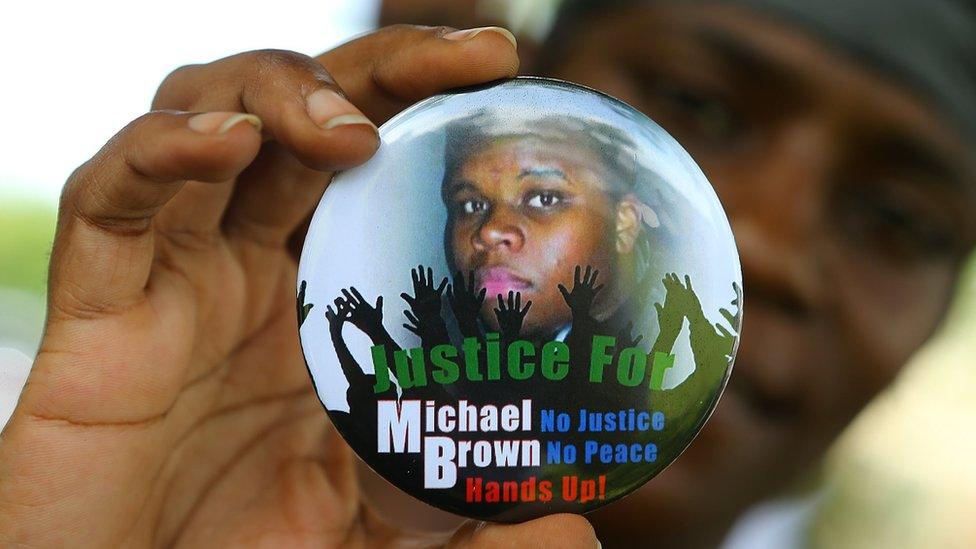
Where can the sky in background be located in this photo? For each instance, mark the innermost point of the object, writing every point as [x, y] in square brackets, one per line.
[77, 72]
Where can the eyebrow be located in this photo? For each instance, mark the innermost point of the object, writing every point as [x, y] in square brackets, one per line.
[455, 187]
[750, 62]
[905, 150]
[547, 171]
[908, 152]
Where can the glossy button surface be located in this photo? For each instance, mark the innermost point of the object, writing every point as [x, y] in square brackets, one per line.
[526, 303]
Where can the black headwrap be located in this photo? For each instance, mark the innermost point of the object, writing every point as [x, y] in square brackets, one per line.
[930, 45]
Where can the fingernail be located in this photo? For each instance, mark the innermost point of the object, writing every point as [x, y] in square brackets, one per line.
[330, 110]
[221, 122]
[468, 34]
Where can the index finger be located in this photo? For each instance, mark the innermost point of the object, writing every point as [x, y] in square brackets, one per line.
[103, 248]
[295, 97]
[386, 71]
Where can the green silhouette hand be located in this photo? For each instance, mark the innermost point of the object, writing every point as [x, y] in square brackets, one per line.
[671, 314]
[303, 308]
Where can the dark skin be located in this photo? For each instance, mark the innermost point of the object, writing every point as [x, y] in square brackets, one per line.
[523, 214]
[169, 403]
[793, 254]
[851, 200]
[852, 205]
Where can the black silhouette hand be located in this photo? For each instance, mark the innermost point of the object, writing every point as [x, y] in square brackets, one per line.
[466, 300]
[625, 337]
[416, 325]
[580, 299]
[302, 308]
[426, 299]
[425, 307]
[338, 316]
[511, 315]
[431, 331]
[366, 317]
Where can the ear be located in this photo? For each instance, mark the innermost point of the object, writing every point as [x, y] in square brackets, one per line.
[628, 221]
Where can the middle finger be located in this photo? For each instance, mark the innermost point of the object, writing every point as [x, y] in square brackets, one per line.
[305, 113]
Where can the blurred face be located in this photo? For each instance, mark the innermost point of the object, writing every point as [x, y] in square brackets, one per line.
[522, 215]
[852, 206]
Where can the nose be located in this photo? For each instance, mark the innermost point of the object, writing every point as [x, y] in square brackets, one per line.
[501, 229]
[776, 203]
[776, 199]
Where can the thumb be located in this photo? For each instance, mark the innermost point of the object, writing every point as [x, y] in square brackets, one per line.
[564, 531]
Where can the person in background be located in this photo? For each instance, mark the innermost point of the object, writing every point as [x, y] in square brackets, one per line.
[168, 402]
[839, 137]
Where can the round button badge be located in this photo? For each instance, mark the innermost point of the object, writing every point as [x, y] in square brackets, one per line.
[527, 302]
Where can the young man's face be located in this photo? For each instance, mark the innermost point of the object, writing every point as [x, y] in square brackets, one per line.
[521, 215]
[852, 206]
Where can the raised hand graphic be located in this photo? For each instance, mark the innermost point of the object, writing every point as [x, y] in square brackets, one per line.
[426, 298]
[626, 338]
[511, 315]
[338, 316]
[466, 302]
[366, 317]
[580, 298]
[736, 318]
[688, 301]
[711, 345]
[727, 338]
[415, 325]
[425, 307]
[671, 314]
[302, 308]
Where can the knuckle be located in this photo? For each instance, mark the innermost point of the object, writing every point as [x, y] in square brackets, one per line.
[274, 67]
[174, 91]
[130, 131]
[79, 189]
[130, 141]
[179, 74]
[90, 204]
[405, 30]
[276, 61]
[69, 191]
[438, 31]
[84, 197]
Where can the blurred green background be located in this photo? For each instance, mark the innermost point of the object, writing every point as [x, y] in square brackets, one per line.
[26, 234]
[55, 119]
[901, 476]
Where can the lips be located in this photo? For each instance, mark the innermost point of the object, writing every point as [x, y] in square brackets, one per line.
[501, 280]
